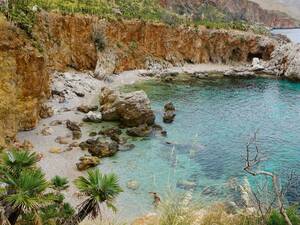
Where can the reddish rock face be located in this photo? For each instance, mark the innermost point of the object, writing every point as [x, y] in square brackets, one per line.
[66, 42]
[239, 9]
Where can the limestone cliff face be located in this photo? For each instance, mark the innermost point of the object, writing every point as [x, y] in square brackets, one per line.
[68, 42]
[136, 42]
[238, 9]
[23, 82]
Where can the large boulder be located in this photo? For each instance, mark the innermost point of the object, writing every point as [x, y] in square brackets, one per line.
[131, 109]
[99, 148]
[86, 162]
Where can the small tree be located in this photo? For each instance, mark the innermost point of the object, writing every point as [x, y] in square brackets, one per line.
[252, 160]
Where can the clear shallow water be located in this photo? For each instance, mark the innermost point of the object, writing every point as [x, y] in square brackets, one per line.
[293, 34]
[214, 121]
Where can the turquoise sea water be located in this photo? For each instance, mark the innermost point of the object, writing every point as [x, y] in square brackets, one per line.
[293, 34]
[205, 144]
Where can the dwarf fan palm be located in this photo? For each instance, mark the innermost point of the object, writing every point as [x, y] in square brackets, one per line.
[99, 189]
[26, 193]
[59, 183]
[14, 161]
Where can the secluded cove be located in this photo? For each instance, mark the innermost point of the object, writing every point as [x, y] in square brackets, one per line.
[205, 144]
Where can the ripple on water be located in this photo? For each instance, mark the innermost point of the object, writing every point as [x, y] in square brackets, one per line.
[214, 121]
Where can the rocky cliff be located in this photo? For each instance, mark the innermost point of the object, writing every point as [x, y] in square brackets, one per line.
[23, 81]
[237, 9]
[70, 42]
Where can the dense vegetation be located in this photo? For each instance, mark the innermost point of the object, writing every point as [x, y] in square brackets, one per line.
[27, 197]
[22, 12]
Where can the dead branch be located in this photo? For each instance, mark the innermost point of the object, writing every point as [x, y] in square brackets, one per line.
[251, 162]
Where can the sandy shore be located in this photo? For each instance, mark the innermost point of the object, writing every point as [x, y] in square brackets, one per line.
[63, 164]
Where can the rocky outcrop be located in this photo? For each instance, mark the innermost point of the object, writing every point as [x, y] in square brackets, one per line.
[131, 109]
[169, 113]
[66, 41]
[140, 41]
[23, 82]
[285, 61]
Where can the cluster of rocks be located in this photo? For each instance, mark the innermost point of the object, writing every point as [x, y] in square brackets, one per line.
[169, 114]
[70, 85]
[133, 112]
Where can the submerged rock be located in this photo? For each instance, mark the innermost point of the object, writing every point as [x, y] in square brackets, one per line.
[133, 185]
[140, 131]
[169, 114]
[86, 162]
[186, 184]
[93, 117]
[131, 109]
[126, 147]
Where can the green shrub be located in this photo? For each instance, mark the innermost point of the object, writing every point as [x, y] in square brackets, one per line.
[277, 219]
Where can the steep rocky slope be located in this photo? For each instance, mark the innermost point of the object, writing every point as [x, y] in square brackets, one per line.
[291, 7]
[68, 42]
[23, 81]
[237, 9]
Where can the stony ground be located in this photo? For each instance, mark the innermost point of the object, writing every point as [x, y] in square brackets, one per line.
[80, 88]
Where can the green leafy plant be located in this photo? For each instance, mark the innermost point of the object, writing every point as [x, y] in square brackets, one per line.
[99, 189]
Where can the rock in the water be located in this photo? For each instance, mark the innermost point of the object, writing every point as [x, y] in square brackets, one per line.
[186, 184]
[126, 147]
[86, 108]
[86, 162]
[133, 185]
[131, 109]
[99, 148]
[140, 131]
[46, 111]
[110, 132]
[93, 117]
[169, 114]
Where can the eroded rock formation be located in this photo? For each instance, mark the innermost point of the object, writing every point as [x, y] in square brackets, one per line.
[24, 82]
[66, 41]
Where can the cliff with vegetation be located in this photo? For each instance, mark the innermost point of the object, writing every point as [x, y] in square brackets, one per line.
[62, 42]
